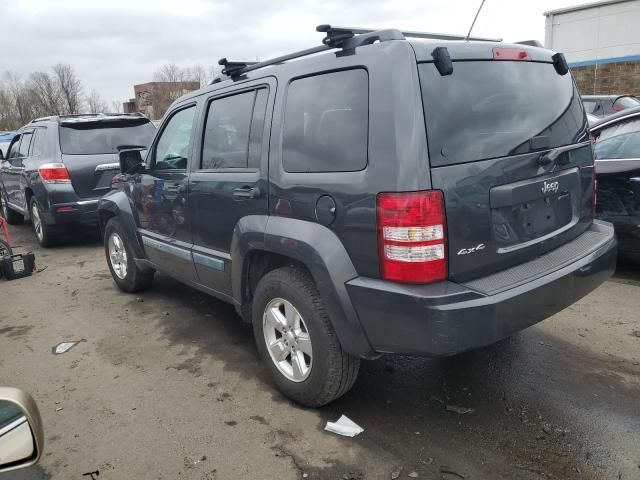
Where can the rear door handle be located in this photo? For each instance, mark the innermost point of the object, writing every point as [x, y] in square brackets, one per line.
[246, 192]
[635, 179]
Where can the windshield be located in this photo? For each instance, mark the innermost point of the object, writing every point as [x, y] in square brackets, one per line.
[489, 109]
[96, 138]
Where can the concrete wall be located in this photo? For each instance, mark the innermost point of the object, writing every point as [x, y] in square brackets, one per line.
[603, 33]
[602, 45]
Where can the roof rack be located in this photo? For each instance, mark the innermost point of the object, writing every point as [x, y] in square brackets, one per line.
[345, 38]
[411, 34]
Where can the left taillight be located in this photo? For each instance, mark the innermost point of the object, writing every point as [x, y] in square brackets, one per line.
[412, 236]
[54, 173]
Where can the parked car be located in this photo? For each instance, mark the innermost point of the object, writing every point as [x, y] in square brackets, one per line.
[604, 105]
[5, 141]
[306, 194]
[617, 151]
[21, 433]
[58, 167]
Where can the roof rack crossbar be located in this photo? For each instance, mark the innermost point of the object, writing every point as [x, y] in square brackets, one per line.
[234, 72]
[338, 37]
[411, 34]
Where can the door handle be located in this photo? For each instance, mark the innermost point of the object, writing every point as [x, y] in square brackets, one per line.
[635, 179]
[246, 192]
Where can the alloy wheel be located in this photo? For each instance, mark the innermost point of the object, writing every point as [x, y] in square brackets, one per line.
[118, 256]
[37, 222]
[287, 339]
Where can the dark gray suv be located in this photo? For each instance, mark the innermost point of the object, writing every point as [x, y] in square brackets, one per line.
[381, 194]
[58, 167]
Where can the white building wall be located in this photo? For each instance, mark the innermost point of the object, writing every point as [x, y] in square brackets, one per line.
[605, 33]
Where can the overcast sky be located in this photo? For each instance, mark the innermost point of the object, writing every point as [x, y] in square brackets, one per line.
[114, 44]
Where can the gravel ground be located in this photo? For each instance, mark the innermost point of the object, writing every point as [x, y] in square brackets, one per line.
[168, 385]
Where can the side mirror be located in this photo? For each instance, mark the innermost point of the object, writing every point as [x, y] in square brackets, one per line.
[21, 434]
[131, 161]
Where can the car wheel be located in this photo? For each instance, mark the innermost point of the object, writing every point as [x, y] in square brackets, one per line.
[296, 340]
[44, 233]
[11, 216]
[127, 275]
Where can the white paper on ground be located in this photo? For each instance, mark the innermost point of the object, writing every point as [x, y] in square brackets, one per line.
[344, 426]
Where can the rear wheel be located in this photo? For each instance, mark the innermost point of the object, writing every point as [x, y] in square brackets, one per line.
[44, 233]
[124, 270]
[296, 339]
[11, 216]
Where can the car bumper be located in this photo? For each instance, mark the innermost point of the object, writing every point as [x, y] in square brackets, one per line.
[447, 318]
[83, 211]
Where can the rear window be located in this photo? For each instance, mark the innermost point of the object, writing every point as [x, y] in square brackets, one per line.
[490, 109]
[96, 138]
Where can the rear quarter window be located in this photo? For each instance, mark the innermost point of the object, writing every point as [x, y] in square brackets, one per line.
[326, 123]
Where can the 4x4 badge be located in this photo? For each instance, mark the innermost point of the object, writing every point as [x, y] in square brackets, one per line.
[467, 251]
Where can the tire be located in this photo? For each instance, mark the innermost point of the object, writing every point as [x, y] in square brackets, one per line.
[45, 234]
[330, 371]
[127, 275]
[11, 216]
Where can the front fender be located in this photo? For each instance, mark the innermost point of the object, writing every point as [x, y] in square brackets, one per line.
[322, 252]
[116, 204]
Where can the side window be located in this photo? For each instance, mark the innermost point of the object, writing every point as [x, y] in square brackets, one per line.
[38, 144]
[326, 123]
[226, 135]
[626, 145]
[172, 149]
[14, 150]
[25, 142]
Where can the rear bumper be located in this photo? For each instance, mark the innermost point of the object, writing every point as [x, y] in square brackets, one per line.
[83, 211]
[447, 318]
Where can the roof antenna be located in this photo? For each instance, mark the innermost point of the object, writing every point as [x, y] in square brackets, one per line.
[474, 21]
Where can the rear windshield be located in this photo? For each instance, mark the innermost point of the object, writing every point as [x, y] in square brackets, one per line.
[489, 109]
[96, 138]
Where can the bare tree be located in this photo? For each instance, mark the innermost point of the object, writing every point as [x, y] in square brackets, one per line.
[70, 87]
[95, 103]
[169, 72]
[116, 107]
[47, 92]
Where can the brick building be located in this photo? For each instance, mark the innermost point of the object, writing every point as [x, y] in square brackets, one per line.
[601, 42]
[154, 98]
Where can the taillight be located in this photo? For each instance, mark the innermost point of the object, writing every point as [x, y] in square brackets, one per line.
[412, 236]
[54, 173]
[511, 54]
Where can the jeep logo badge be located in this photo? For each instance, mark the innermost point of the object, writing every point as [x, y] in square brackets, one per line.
[550, 187]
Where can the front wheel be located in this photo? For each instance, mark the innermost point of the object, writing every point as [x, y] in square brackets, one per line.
[296, 340]
[124, 270]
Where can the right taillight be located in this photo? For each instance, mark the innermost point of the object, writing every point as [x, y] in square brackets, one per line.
[412, 236]
[54, 173]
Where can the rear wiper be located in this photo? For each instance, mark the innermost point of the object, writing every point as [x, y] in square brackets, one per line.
[553, 155]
